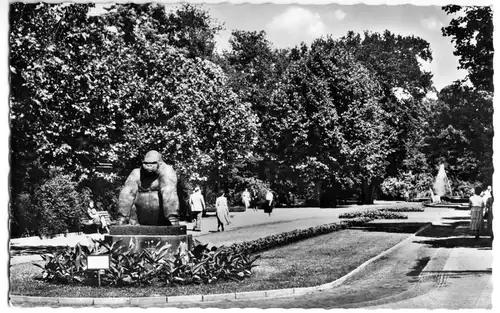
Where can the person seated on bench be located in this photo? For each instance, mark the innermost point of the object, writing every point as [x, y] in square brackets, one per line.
[96, 217]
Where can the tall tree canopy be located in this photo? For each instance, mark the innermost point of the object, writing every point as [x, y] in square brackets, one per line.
[88, 88]
[325, 120]
[336, 117]
[461, 133]
[395, 62]
[471, 30]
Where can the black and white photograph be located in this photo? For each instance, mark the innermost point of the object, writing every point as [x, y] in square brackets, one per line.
[249, 154]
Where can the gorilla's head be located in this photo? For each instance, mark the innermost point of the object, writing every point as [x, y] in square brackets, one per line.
[151, 162]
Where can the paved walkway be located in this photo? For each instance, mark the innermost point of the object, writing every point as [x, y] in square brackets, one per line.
[444, 267]
[441, 268]
[251, 225]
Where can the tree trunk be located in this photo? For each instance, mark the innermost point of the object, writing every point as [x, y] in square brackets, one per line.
[367, 194]
[318, 192]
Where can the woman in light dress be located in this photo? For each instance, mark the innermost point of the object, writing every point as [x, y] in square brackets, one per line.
[245, 198]
[222, 211]
[476, 206]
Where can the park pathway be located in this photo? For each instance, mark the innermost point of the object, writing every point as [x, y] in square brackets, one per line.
[441, 268]
[251, 225]
[245, 226]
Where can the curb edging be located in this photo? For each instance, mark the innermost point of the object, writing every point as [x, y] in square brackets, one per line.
[246, 295]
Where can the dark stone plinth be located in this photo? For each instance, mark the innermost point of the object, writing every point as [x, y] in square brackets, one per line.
[145, 230]
[142, 242]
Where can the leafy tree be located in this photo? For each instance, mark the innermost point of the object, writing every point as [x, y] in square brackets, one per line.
[188, 27]
[461, 134]
[325, 120]
[472, 33]
[395, 61]
[55, 66]
[108, 91]
[253, 67]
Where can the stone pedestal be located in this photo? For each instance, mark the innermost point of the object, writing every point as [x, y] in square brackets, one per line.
[145, 237]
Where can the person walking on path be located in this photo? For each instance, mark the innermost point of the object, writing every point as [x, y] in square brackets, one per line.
[268, 204]
[222, 211]
[245, 198]
[476, 205]
[197, 204]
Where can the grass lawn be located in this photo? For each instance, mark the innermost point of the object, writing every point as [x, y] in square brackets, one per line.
[306, 263]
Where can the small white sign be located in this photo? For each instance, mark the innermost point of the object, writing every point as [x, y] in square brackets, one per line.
[98, 262]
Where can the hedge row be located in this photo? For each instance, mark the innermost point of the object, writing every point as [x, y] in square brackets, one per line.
[269, 242]
[211, 208]
[375, 215]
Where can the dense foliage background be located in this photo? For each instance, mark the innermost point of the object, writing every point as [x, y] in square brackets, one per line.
[340, 118]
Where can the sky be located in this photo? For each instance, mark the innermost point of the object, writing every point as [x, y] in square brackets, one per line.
[287, 25]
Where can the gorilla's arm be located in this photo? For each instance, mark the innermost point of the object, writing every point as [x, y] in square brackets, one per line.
[168, 185]
[127, 196]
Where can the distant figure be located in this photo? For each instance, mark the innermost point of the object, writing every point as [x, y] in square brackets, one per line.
[476, 205]
[222, 211]
[488, 210]
[245, 198]
[487, 193]
[96, 218]
[268, 204]
[197, 204]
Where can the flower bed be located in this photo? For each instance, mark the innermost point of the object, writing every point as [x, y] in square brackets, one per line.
[156, 266]
[198, 266]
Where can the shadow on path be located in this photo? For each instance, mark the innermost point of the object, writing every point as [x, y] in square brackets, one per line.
[33, 250]
[459, 242]
[419, 266]
[404, 228]
[457, 218]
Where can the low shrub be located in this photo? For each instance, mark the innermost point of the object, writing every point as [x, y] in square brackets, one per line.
[404, 209]
[155, 266]
[269, 242]
[211, 208]
[375, 215]
[237, 209]
[57, 205]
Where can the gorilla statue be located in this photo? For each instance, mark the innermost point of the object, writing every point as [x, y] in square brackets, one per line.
[149, 196]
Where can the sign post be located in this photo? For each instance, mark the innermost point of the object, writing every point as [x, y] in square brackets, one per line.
[98, 262]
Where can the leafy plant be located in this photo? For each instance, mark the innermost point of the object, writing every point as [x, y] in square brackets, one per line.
[56, 204]
[150, 266]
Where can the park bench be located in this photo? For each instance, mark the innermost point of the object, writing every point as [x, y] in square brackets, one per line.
[107, 218]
